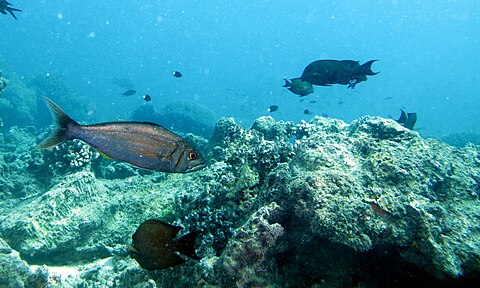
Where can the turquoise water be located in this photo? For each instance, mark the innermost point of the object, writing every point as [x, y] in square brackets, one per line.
[234, 56]
[282, 202]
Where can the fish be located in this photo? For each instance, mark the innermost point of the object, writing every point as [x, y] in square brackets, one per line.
[344, 72]
[388, 98]
[329, 72]
[128, 93]
[407, 120]
[298, 86]
[177, 74]
[147, 98]
[272, 108]
[5, 7]
[155, 246]
[306, 111]
[312, 101]
[143, 144]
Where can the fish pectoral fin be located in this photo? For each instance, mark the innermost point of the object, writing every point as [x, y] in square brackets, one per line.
[105, 155]
[132, 249]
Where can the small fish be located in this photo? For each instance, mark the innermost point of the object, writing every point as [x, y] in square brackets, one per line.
[388, 98]
[177, 74]
[306, 111]
[147, 98]
[340, 102]
[143, 144]
[155, 247]
[272, 108]
[128, 93]
[352, 83]
[298, 86]
[407, 120]
[312, 101]
[5, 7]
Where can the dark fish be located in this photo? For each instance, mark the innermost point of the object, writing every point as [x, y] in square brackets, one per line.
[340, 102]
[147, 98]
[344, 72]
[143, 144]
[299, 87]
[306, 111]
[388, 98]
[329, 72]
[155, 247]
[177, 74]
[312, 101]
[407, 120]
[128, 93]
[5, 7]
[352, 83]
[273, 108]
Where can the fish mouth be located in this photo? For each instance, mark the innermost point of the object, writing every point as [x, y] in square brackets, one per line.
[196, 167]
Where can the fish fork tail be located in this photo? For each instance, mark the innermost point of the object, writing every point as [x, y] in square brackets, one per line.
[367, 68]
[63, 123]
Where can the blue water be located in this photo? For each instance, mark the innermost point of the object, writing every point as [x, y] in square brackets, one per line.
[235, 54]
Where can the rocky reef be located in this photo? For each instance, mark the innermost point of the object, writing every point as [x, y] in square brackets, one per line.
[3, 82]
[317, 204]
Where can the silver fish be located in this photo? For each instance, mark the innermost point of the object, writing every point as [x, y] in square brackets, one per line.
[143, 144]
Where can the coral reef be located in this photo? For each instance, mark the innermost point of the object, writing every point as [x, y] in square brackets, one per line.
[3, 82]
[323, 203]
[15, 273]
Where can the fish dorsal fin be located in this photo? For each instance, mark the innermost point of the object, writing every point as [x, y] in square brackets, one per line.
[186, 245]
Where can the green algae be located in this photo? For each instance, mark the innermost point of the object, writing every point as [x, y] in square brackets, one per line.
[336, 191]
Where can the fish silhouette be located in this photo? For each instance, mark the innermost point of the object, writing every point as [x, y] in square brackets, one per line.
[329, 72]
[155, 246]
[5, 7]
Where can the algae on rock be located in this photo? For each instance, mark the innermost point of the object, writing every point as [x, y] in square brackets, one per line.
[279, 204]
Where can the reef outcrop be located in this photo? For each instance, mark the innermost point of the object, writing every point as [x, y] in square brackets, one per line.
[3, 82]
[321, 203]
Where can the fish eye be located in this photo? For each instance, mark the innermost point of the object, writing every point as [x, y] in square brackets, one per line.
[192, 155]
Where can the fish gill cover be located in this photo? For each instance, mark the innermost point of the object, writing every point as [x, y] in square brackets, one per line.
[292, 201]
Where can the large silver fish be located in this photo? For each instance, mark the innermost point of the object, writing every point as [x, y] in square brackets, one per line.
[143, 144]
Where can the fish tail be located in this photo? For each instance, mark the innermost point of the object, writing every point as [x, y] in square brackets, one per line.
[367, 68]
[186, 245]
[63, 123]
[287, 83]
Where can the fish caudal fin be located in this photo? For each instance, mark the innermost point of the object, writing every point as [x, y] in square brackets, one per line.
[63, 122]
[287, 83]
[367, 68]
[186, 245]
[10, 10]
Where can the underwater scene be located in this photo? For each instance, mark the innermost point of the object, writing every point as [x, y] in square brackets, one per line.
[239, 144]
